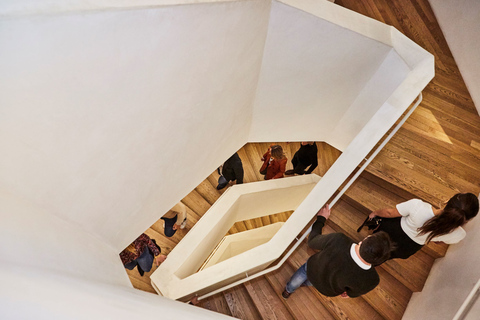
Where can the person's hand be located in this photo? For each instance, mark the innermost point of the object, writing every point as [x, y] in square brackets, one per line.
[194, 300]
[159, 259]
[176, 226]
[344, 295]
[324, 212]
[372, 215]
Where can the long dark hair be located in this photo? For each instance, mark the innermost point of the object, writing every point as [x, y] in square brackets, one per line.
[458, 210]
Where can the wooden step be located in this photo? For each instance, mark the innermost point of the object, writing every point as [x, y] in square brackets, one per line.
[208, 191]
[268, 303]
[303, 304]
[376, 194]
[216, 303]
[240, 303]
[390, 298]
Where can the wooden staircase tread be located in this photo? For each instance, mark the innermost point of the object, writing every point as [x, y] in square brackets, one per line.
[254, 159]
[406, 178]
[208, 191]
[240, 303]
[372, 196]
[390, 297]
[196, 202]
[216, 303]
[429, 163]
[266, 300]
[249, 174]
[302, 304]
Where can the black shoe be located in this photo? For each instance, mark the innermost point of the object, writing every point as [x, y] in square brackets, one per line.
[289, 172]
[140, 271]
[285, 294]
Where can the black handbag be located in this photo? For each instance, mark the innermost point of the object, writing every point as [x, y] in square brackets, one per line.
[371, 224]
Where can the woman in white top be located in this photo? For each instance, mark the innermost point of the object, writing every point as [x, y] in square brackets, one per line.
[415, 223]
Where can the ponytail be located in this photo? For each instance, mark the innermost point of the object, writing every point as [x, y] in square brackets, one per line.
[459, 209]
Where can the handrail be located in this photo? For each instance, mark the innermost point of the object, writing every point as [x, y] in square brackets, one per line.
[332, 203]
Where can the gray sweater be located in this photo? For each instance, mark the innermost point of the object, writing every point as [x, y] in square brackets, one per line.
[333, 271]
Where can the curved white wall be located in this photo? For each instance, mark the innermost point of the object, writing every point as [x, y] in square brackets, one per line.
[110, 113]
[111, 117]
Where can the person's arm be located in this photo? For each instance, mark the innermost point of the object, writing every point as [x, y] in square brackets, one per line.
[316, 240]
[283, 165]
[266, 155]
[357, 292]
[181, 211]
[159, 258]
[127, 256]
[385, 213]
[313, 166]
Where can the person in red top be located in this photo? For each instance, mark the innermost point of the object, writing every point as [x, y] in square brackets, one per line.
[274, 163]
[141, 254]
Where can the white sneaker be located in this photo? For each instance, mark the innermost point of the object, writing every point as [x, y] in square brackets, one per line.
[184, 223]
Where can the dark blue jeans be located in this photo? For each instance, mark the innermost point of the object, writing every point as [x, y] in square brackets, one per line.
[144, 261]
[298, 278]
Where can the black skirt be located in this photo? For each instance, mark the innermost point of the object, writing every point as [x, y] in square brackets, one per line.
[405, 245]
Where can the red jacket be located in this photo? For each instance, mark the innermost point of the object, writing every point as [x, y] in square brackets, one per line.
[275, 169]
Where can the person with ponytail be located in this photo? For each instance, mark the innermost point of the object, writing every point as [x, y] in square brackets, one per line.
[414, 223]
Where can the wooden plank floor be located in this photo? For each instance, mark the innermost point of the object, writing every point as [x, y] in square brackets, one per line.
[436, 153]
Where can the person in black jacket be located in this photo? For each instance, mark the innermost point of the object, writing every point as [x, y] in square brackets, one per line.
[305, 156]
[232, 170]
[342, 267]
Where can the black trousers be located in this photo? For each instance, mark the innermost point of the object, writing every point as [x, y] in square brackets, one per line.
[298, 167]
[405, 245]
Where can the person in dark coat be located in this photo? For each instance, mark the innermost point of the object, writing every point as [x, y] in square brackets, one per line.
[342, 267]
[305, 156]
[232, 170]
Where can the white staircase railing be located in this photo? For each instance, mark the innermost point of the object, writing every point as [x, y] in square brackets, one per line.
[298, 241]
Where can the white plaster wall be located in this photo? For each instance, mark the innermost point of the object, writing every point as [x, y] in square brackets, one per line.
[33, 238]
[36, 294]
[311, 70]
[460, 23]
[103, 113]
[450, 280]
[388, 77]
